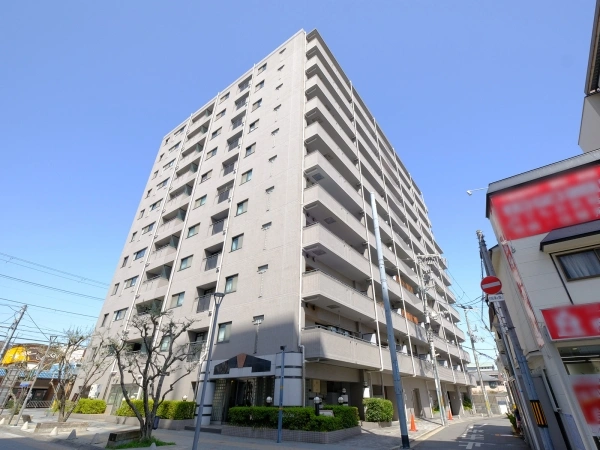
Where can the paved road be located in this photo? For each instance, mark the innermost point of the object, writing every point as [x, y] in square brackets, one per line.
[484, 434]
[11, 441]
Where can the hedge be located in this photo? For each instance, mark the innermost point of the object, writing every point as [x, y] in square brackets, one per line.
[169, 409]
[294, 418]
[467, 404]
[378, 410]
[90, 406]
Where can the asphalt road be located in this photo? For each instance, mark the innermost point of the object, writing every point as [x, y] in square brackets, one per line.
[11, 441]
[484, 434]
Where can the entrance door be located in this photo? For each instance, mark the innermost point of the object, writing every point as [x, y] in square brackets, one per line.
[417, 407]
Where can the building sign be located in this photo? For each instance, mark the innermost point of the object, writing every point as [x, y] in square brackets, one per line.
[573, 322]
[557, 202]
[587, 392]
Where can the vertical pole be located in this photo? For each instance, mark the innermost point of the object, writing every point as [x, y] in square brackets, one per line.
[11, 332]
[506, 321]
[485, 396]
[280, 413]
[398, 391]
[206, 374]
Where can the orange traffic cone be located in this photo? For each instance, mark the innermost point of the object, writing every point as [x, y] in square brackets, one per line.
[413, 427]
[449, 414]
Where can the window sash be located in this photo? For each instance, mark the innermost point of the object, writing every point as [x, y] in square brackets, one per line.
[231, 284]
[237, 242]
[580, 265]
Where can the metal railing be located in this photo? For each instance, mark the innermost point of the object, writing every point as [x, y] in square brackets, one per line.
[223, 195]
[211, 262]
[347, 334]
[228, 169]
[195, 350]
[233, 144]
[217, 227]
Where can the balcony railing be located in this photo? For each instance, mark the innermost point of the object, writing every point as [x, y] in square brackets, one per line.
[195, 350]
[211, 262]
[223, 195]
[228, 169]
[233, 145]
[217, 227]
[203, 303]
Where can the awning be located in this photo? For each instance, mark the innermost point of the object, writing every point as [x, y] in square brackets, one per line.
[587, 233]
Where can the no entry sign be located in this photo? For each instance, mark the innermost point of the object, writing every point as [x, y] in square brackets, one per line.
[491, 285]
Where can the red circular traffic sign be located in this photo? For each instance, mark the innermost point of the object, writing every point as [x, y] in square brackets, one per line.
[491, 285]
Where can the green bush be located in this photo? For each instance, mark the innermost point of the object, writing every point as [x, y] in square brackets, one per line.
[378, 410]
[294, 418]
[90, 406]
[169, 409]
[467, 404]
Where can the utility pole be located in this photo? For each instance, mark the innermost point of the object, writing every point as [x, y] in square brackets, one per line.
[508, 330]
[11, 331]
[485, 396]
[389, 325]
[37, 373]
[436, 375]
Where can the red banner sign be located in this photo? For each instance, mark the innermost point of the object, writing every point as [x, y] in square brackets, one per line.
[557, 202]
[573, 322]
[587, 392]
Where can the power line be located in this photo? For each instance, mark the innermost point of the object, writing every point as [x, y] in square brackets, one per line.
[31, 318]
[44, 307]
[55, 270]
[51, 288]
[50, 273]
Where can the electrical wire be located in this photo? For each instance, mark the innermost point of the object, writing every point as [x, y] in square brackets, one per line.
[55, 270]
[44, 307]
[51, 288]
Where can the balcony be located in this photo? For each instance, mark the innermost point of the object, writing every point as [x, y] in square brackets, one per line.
[180, 199]
[193, 156]
[314, 47]
[183, 178]
[217, 227]
[161, 256]
[155, 286]
[342, 158]
[195, 351]
[322, 344]
[229, 168]
[316, 88]
[203, 303]
[445, 373]
[211, 262]
[172, 225]
[317, 67]
[335, 253]
[223, 195]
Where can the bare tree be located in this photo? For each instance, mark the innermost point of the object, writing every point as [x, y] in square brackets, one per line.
[69, 366]
[158, 356]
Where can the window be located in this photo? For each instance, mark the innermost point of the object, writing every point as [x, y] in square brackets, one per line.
[224, 332]
[177, 299]
[237, 122]
[212, 153]
[281, 51]
[262, 68]
[165, 343]
[133, 236]
[275, 132]
[266, 226]
[206, 176]
[148, 193]
[115, 289]
[246, 176]
[125, 261]
[185, 262]
[154, 175]
[120, 314]
[155, 205]
[139, 254]
[193, 230]
[161, 157]
[281, 68]
[263, 269]
[131, 282]
[259, 86]
[179, 131]
[169, 164]
[231, 283]
[237, 242]
[225, 97]
[215, 133]
[250, 149]
[254, 125]
[242, 207]
[141, 213]
[167, 140]
[277, 108]
[581, 265]
[175, 147]
[244, 84]
[269, 191]
[241, 102]
[256, 104]
[221, 114]
[163, 183]
[104, 319]
[273, 159]
[279, 87]
[148, 228]
[200, 201]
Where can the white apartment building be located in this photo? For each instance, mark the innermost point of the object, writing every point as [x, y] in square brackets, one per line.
[589, 135]
[262, 194]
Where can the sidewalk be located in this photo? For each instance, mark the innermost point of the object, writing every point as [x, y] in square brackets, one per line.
[379, 438]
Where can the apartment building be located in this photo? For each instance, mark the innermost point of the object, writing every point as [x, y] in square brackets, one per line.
[263, 195]
[589, 135]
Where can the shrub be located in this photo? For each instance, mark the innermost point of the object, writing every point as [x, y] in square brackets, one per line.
[169, 409]
[126, 411]
[90, 406]
[513, 419]
[378, 410]
[467, 404]
[294, 418]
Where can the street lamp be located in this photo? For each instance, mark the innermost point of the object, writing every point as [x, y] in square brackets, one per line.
[317, 401]
[470, 191]
[218, 296]
[269, 400]
[280, 413]
[184, 398]
[340, 400]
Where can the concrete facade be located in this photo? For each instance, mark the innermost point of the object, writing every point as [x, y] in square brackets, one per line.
[301, 248]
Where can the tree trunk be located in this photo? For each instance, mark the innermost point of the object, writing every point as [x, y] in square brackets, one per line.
[146, 428]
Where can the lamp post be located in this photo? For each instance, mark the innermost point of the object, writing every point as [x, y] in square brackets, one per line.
[470, 191]
[317, 401]
[218, 296]
[280, 413]
[340, 400]
[269, 400]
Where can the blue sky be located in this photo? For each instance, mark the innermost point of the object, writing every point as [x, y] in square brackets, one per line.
[468, 92]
